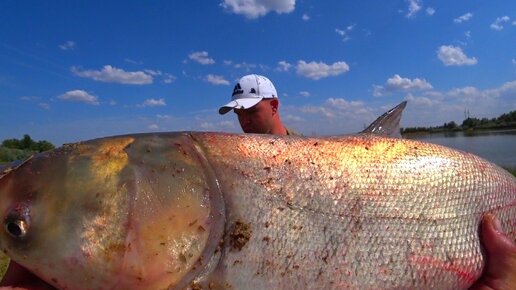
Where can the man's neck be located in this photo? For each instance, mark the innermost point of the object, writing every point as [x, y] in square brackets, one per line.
[279, 130]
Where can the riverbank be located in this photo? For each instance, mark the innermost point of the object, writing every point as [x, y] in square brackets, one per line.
[505, 121]
[511, 170]
[452, 133]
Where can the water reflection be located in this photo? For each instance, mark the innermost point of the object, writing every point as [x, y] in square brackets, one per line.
[496, 146]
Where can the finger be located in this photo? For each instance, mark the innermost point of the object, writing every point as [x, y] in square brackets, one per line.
[493, 238]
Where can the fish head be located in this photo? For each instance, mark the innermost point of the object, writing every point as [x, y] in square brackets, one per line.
[111, 213]
[29, 194]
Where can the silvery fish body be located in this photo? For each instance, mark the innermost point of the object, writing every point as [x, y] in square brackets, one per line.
[221, 211]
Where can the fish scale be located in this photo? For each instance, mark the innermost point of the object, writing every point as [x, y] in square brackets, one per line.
[396, 221]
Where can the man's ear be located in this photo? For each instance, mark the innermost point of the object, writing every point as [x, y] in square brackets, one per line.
[274, 105]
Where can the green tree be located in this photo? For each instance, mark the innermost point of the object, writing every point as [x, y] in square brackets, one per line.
[14, 149]
[11, 143]
[41, 146]
[452, 125]
[470, 123]
[26, 142]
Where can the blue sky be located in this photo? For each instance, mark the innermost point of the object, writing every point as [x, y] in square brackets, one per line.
[77, 70]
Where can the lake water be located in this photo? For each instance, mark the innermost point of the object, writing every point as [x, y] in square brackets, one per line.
[498, 147]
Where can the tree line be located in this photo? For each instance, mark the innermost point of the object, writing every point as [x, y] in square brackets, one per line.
[504, 121]
[15, 149]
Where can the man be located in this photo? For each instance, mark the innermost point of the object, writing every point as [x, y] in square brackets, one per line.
[255, 101]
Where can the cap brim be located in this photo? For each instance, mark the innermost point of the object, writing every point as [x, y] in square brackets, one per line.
[244, 103]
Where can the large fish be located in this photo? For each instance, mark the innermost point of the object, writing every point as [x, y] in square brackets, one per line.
[226, 211]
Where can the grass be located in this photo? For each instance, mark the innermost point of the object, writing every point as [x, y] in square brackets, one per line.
[4, 262]
[512, 170]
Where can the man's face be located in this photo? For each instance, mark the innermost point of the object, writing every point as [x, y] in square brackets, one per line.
[257, 119]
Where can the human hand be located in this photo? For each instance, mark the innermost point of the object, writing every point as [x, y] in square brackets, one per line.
[19, 278]
[500, 271]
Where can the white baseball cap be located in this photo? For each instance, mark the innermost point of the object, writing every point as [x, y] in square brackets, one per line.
[249, 91]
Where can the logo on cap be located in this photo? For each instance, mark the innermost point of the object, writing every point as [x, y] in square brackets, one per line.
[237, 90]
[253, 91]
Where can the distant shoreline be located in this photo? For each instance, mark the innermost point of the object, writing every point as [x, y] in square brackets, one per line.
[477, 131]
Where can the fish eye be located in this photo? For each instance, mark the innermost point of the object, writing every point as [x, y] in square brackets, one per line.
[17, 229]
[17, 222]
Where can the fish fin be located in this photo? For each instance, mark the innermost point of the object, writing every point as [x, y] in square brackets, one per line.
[9, 167]
[388, 124]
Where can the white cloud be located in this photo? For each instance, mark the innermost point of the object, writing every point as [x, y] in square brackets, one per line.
[201, 57]
[216, 80]
[345, 33]
[292, 118]
[430, 11]
[244, 65]
[338, 115]
[421, 101]
[44, 106]
[217, 126]
[153, 103]
[168, 79]
[334, 108]
[467, 34]
[482, 101]
[68, 45]
[305, 17]
[29, 98]
[397, 83]
[465, 94]
[335, 116]
[131, 61]
[283, 66]
[506, 90]
[463, 18]
[497, 24]
[153, 72]
[153, 127]
[165, 117]
[111, 74]
[413, 8]
[453, 56]
[79, 96]
[514, 61]
[256, 8]
[318, 70]
[304, 94]
[435, 108]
